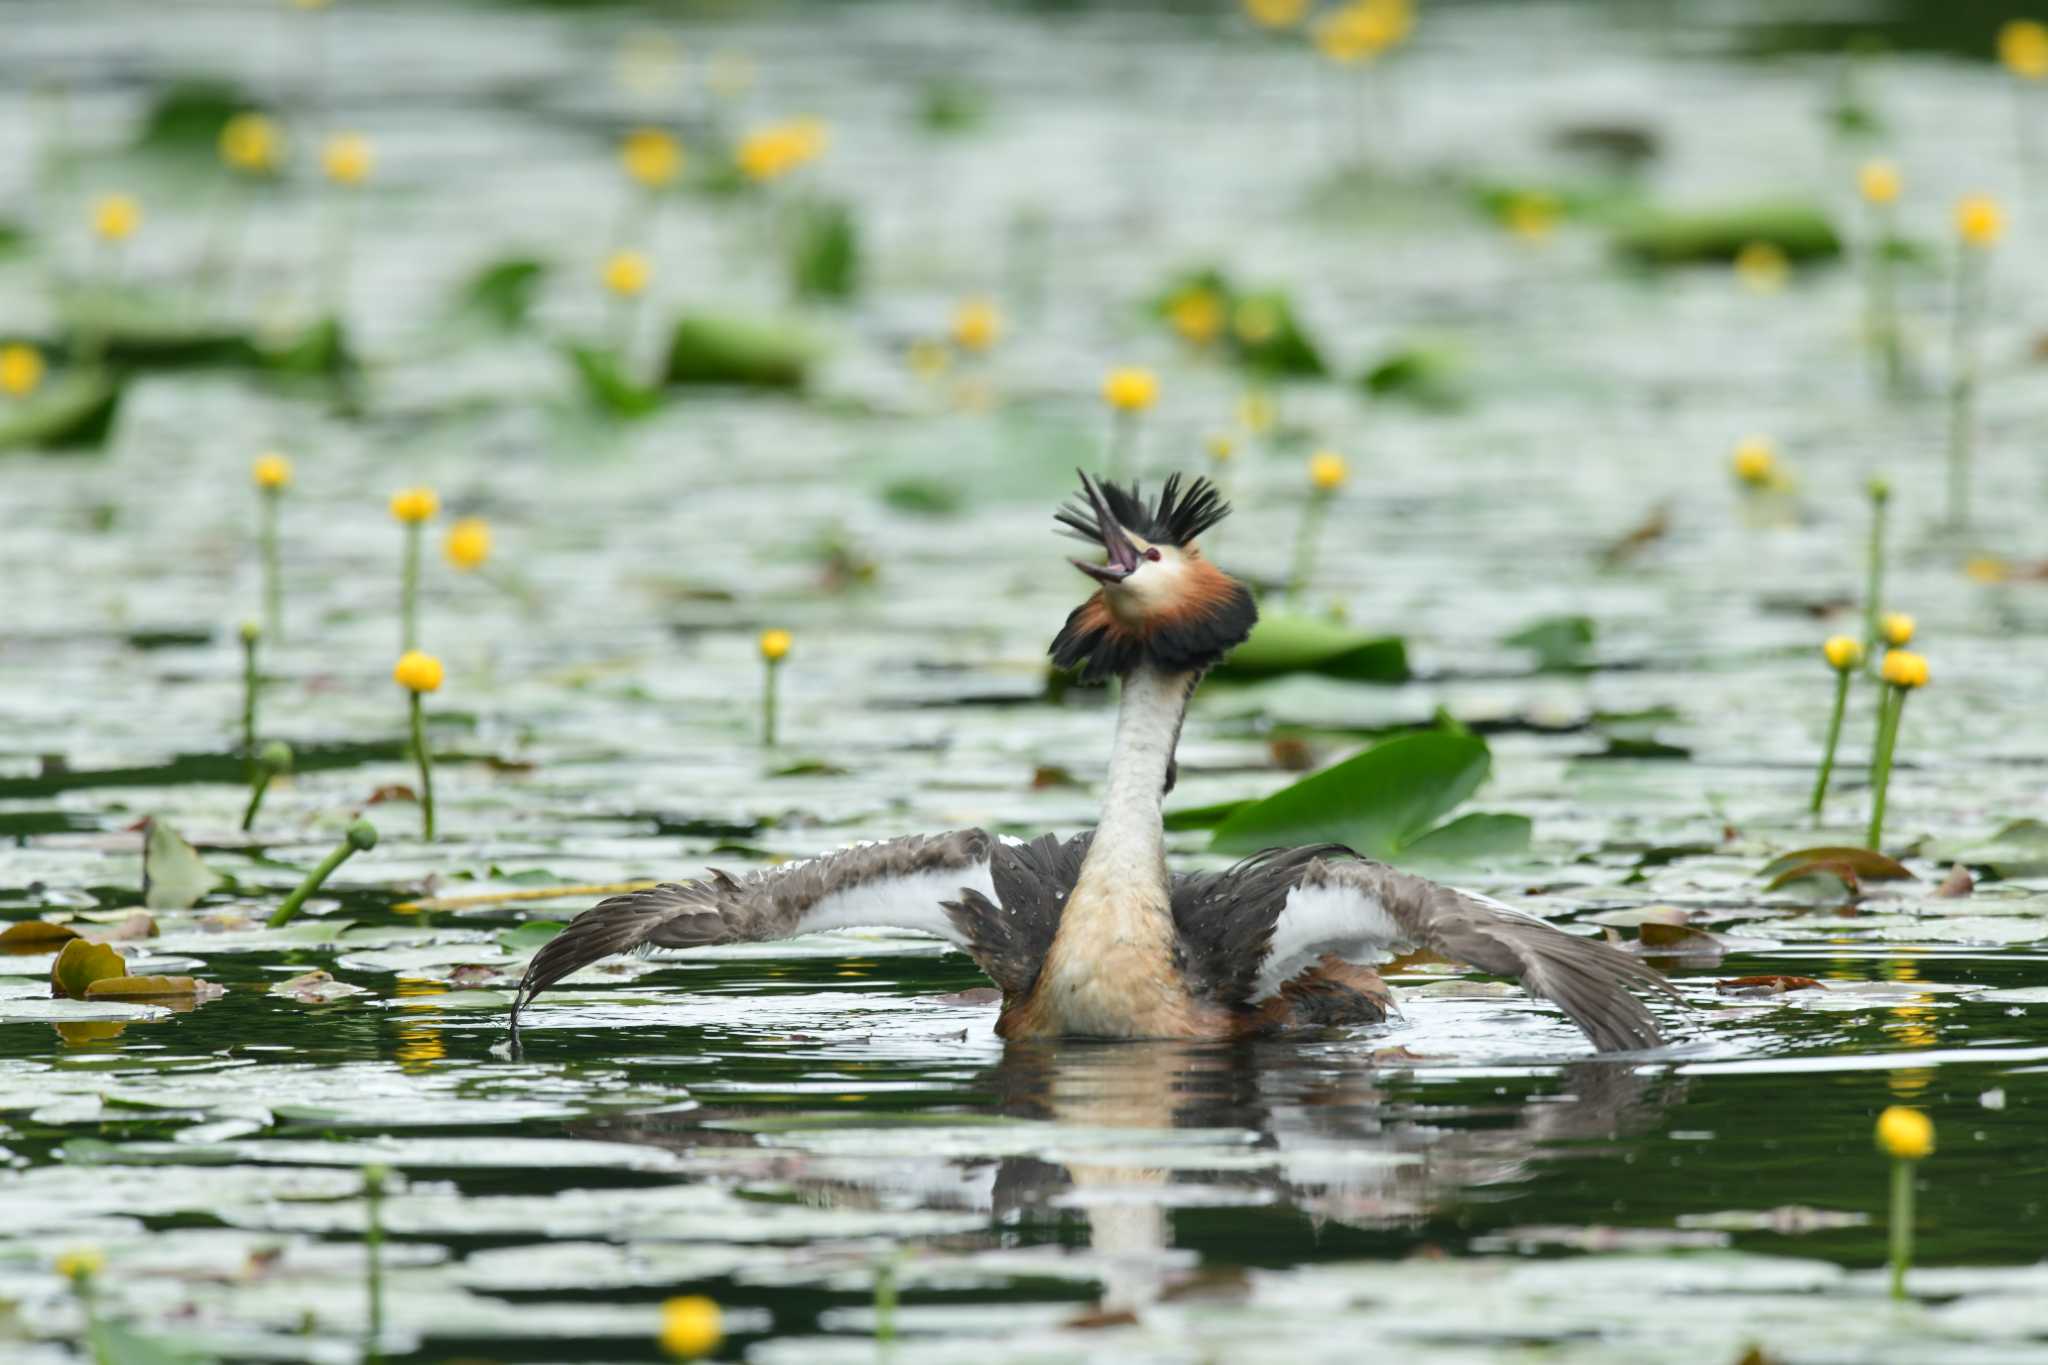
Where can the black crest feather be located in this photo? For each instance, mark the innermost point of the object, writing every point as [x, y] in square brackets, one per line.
[1175, 517]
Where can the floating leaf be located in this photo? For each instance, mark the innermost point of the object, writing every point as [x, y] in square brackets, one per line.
[1848, 864]
[75, 411]
[34, 936]
[1558, 642]
[2020, 849]
[1956, 885]
[1288, 642]
[1657, 939]
[1472, 837]
[1205, 817]
[152, 989]
[1428, 376]
[1776, 985]
[1698, 236]
[1377, 802]
[706, 349]
[608, 385]
[173, 877]
[502, 293]
[316, 988]
[80, 965]
[528, 937]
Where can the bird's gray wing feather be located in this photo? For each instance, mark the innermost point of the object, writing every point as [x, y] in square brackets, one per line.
[1010, 929]
[1355, 908]
[900, 883]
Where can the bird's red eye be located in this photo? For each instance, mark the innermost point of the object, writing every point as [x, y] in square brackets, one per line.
[1152, 552]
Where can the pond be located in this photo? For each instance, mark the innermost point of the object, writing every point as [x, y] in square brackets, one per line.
[824, 1135]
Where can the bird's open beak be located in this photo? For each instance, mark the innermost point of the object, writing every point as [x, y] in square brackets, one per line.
[1123, 555]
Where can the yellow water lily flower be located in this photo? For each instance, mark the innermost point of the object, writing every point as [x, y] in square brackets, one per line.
[1905, 1133]
[21, 369]
[1903, 668]
[651, 157]
[414, 505]
[1129, 388]
[775, 645]
[1327, 471]
[1980, 220]
[115, 217]
[348, 158]
[271, 471]
[626, 273]
[2023, 48]
[1755, 462]
[1843, 652]
[977, 324]
[691, 1326]
[1897, 628]
[468, 543]
[1879, 182]
[251, 142]
[417, 671]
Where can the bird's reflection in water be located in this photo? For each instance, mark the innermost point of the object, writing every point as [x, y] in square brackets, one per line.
[1137, 1130]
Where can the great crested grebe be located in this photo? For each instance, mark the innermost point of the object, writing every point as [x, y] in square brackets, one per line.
[1092, 936]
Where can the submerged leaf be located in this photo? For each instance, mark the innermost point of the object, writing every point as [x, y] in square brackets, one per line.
[1377, 802]
[173, 877]
[80, 965]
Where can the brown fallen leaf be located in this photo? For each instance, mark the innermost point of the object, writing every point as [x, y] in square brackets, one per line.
[154, 989]
[469, 974]
[1640, 537]
[80, 965]
[396, 791]
[1776, 984]
[1100, 1318]
[1291, 753]
[1676, 940]
[139, 924]
[1956, 885]
[34, 936]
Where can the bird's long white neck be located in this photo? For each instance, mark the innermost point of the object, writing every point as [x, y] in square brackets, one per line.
[1130, 839]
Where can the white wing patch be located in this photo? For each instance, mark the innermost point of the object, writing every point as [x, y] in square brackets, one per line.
[913, 902]
[1317, 920]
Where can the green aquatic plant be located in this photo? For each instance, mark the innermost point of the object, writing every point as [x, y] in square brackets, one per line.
[1844, 656]
[1906, 1136]
[1879, 184]
[346, 159]
[361, 837]
[272, 759]
[419, 673]
[1129, 391]
[774, 645]
[252, 684]
[1902, 672]
[1673, 237]
[1980, 222]
[1880, 491]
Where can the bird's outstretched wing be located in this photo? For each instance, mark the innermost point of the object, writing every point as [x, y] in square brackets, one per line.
[1323, 901]
[898, 884]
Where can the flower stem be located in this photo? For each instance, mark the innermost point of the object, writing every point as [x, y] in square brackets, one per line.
[1305, 546]
[1963, 385]
[1873, 580]
[313, 881]
[1884, 310]
[256, 791]
[252, 683]
[768, 706]
[273, 583]
[1902, 1224]
[373, 1255]
[1889, 707]
[426, 762]
[409, 590]
[1827, 755]
[885, 1299]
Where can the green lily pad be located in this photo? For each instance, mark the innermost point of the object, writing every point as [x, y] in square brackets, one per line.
[74, 411]
[1558, 642]
[1292, 643]
[530, 936]
[80, 965]
[609, 386]
[173, 877]
[1703, 236]
[1378, 801]
[1427, 375]
[143, 329]
[707, 349]
[1469, 838]
[501, 294]
[2019, 849]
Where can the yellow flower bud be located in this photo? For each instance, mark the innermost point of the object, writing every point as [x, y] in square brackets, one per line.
[1276, 13]
[80, 1263]
[271, 471]
[1980, 222]
[690, 1326]
[651, 157]
[348, 158]
[1896, 627]
[116, 216]
[1255, 413]
[468, 543]
[626, 273]
[1986, 569]
[251, 142]
[1879, 182]
[1129, 389]
[1903, 668]
[1197, 314]
[2023, 48]
[1532, 215]
[1327, 471]
[414, 505]
[1762, 267]
[21, 369]
[1222, 445]
[1843, 652]
[1756, 462]
[1905, 1133]
[417, 671]
[775, 645]
[977, 324]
